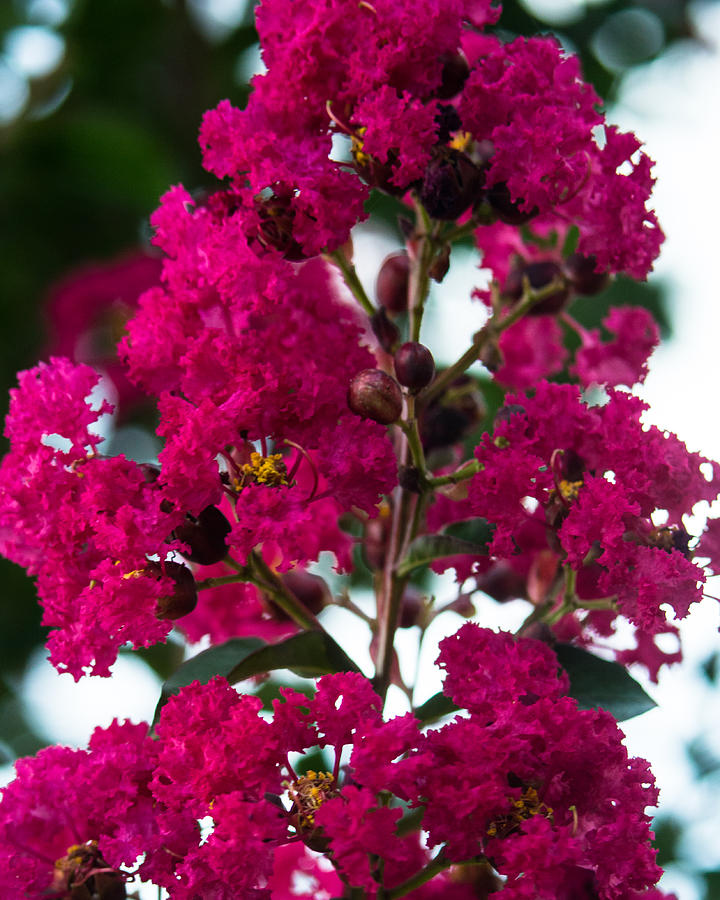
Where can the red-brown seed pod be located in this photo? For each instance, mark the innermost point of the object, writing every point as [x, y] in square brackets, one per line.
[184, 597]
[391, 287]
[581, 271]
[414, 365]
[373, 394]
[205, 535]
[539, 275]
[507, 209]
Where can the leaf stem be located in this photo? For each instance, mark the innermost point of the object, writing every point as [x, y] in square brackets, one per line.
[351, 279]
[433, 868]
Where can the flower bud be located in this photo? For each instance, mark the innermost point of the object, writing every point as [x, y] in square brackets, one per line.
[373, 394]
[412, 607]
[414, 366]
[455, 71]
[581, 271]
[311, 590]
[451, 184]
[205, 535]
[391, 287]
[385, 330]
[409, 479]
[448, 418]
[539, 274]
[438, 268]
[507, 209]
[184, 597]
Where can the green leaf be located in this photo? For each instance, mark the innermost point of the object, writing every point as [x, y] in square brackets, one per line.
[599, 684]
[435, 708]
[219, 660]
[429, 547]
[310, 654]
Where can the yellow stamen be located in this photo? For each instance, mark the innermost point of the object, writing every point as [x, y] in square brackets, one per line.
[269, 470]
[569, 489]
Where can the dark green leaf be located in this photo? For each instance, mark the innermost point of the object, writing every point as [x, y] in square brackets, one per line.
[599, 684]
[309, 654]
[429, 547]
[220, 660]
[477, 531]
[435, 708]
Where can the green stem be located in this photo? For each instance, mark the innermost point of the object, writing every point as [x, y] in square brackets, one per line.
[490, 331]
[351, 280]
[467, 471]
[218, 582]
[420, 259]
[410, 430]
[433, 868]
[262, 576]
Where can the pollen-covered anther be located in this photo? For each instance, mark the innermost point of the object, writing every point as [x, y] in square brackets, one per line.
[525, 807]
[84, 873]
[308, 794]
[569, 490]
[269, 470]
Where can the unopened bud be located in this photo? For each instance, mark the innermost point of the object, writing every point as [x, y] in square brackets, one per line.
[184, 596]
[410, 479]
[581, 270]
[455, 71]
[205, 535]
[451, 184]
[414, 366]
[391, 287]
[412, 607]
[373, 394]
[507, 209]
[311, 590]
[438, 268]
[385, 330]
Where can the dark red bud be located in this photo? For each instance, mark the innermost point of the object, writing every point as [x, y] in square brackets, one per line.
[507, 209]
[311, 590]
[373, 394]
[184, 597]
[410, 479]
[205, 535]
[414, 366]
[448, 418]
[447, 121]
[502, 583]
[581, 270]
[412, 607]
[385, 330]
[455, 71]
[391, 288]
[439, 266]
[451, 184]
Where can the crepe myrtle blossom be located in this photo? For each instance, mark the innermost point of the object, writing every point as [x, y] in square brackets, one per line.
[497, 788]
[427, 103]
[593, 480]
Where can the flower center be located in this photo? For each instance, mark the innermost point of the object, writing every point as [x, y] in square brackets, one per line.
[308, 794]
[82, 874]
[269, 470]
[527, 805]
[569, 490]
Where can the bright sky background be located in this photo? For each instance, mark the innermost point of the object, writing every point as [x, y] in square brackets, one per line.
[672, 105]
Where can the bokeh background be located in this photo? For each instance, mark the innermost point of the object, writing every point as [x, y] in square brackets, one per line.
[100, 102]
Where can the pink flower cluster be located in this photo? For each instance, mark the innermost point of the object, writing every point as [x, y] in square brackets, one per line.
[526, 785]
